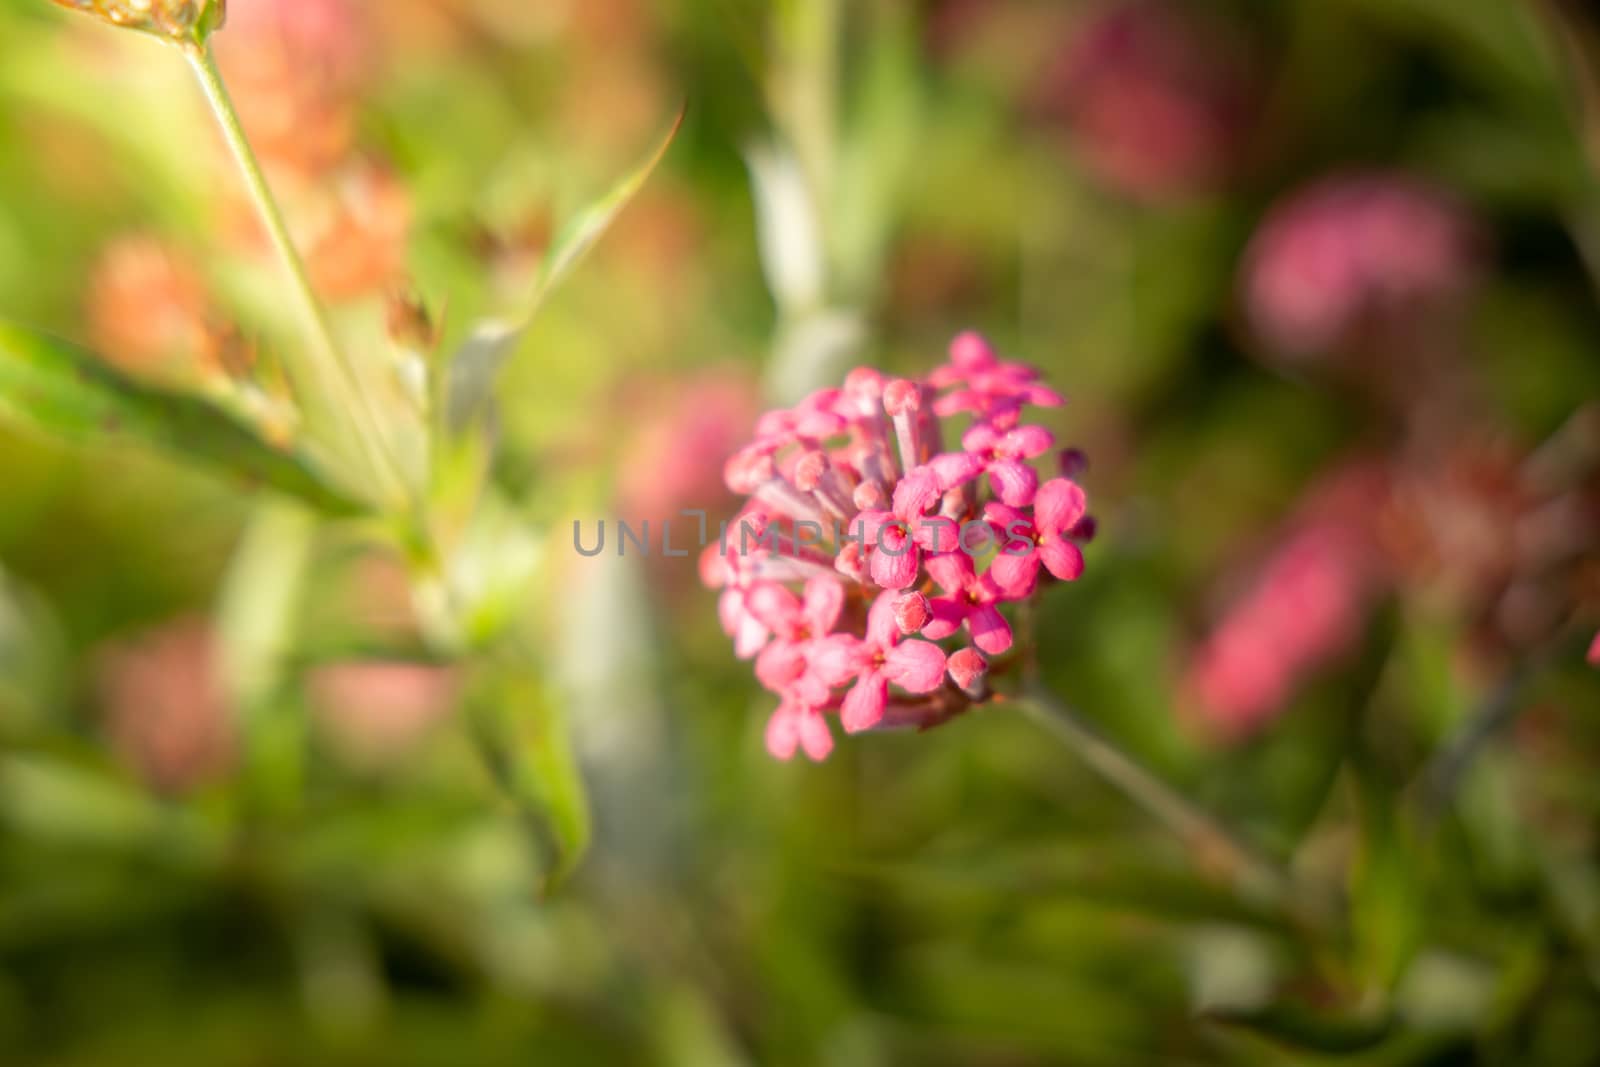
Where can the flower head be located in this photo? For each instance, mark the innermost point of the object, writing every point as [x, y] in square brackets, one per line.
[866, 541]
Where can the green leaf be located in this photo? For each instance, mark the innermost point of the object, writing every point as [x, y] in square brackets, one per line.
[475, 365]
[66, 392]
[522, 734]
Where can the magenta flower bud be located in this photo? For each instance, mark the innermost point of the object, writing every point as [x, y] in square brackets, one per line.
[911, 613]
[1073, 463]
[969, 670]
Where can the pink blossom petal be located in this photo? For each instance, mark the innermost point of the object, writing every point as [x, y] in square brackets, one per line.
[990, 631]
[1058, 505]
[838, 658]
[955, 469]
[1025, 442]
[1015, 575]
[824, 600]
[863, 705]
[936, 533]
[815, 737]
[915, 666]
[882, 630]
[895, 568]
[783, 735]
[1014, 481]
[947, 615]
[780, 664]
[953, 571]
[981, 438]
[1062, 559]
[1594, 651]
[969, 352]
[776, 607]
[1043, 396]
[917, 494]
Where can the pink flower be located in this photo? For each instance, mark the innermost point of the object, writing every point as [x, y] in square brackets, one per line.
[855, 512]
[1159, 98]
[895, 545]
[1003, 455]
[785, 666]
[1594, 651]
[1047, 538]
[970, 600]
[987, 387]
[795, 726]
[883, 657]
[1304, 609]
[1356, 253]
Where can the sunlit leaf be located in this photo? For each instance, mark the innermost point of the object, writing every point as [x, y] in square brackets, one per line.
[472, 372]
[66, 392]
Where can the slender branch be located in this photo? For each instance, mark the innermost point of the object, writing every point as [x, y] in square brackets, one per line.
[333, 385]
[1194, 826]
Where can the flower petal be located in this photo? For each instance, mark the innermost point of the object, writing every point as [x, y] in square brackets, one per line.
[1025, 442]
[915, 666]
[936, 533]
[1015, 575]
[990, 631]
[947, 617]
[815, 737]
[954, 469]
[863, 705]
[895, 568]
[783, 735]
[824, 600]
[1014, 481]
[1062, 559]
[916, 494]
[838, 658]
[953, 571]
[1058, 505]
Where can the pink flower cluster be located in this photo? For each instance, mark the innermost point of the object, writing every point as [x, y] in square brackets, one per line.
[1354, 254]
[865, 542]
[1158, 97]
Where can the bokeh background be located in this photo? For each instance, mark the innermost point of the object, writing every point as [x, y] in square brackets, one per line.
[1319, 278]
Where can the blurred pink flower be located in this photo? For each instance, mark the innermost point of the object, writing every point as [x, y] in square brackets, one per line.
[675, 452]
[853, 495]
[165, 710]
[297, 68]
[1304, 608]
[374, 712]
[1594, 651]
[1356, 253]
[1158, 98]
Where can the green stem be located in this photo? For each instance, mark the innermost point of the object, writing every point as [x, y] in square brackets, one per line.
[331, 384]
[1195, 827]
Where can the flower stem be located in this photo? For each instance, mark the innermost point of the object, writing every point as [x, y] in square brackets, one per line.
[332, 387]
[1214, 842]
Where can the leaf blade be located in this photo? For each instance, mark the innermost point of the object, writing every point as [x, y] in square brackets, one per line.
[479, 359]
[65, 392]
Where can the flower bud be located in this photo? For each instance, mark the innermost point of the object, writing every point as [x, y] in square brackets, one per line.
[969, 670]
[911, 613]
[178, 21]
